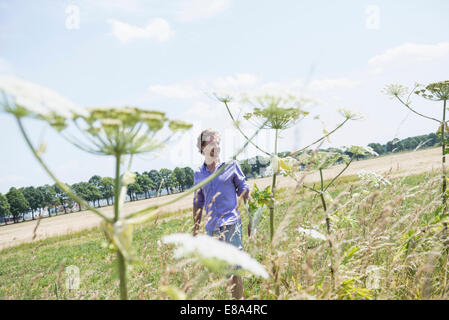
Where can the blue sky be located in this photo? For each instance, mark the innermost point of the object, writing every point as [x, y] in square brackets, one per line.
[166, 55]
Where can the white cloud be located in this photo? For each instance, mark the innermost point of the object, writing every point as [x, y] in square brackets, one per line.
[236, 82]
[176, 90]
[408, 54]
[157, 29]
[190, 10]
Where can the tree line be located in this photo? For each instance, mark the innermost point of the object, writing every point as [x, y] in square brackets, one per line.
[18, 202]
[410, 143]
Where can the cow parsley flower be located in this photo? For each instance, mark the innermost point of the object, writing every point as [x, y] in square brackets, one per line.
[30, 99]
[360, 150]
[373, 177]
[436, 91]
[209, 250]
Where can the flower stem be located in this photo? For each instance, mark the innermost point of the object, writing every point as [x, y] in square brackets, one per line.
[123, 280]
[117, 188]
[240, 130]
[273, 189]
[443, 150]
[120, 258]
[293, 154]
[328, 228]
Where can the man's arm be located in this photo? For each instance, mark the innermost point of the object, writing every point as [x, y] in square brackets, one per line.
[197, 213]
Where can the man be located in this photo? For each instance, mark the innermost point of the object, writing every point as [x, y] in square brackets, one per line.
[219, 198]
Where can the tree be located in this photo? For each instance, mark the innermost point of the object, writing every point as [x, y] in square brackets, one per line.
[180, 176]
[81, 189]
[166, 178]
[17, 203]
[377, 147]
[4, 207]
[246, 167]
[157, 179]
[173, 182]
[145, 183]
[93, 194]
[189, 177]
[34, 198]
[95, 181]
[106, 187]
[62, 198]
[133, 189]
[49, 197]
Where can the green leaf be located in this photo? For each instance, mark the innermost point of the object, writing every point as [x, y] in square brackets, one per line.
[349, 254]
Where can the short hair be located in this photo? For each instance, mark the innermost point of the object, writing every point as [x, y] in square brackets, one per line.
[205, 137]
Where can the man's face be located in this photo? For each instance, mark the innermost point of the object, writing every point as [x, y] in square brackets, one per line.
[211, 150]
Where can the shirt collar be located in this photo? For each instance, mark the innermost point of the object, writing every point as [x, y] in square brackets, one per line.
[205, 169]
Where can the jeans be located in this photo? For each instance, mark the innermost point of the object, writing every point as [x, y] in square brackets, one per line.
[231, 234]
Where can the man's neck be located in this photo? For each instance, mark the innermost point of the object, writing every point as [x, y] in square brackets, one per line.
[213, 165]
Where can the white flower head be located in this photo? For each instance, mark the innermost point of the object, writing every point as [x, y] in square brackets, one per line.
[37, 99]
[361, 150]
[206, 248]
[373, 177]
[129, 178]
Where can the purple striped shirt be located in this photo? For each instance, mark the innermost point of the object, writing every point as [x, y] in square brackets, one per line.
[230, 184]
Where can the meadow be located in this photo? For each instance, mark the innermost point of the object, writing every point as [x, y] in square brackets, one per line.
[389, 241]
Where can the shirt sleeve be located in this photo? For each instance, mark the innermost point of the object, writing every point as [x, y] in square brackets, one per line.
[198, 195]
[239, 179]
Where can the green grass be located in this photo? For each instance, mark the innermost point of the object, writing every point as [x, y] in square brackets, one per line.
[370, 227]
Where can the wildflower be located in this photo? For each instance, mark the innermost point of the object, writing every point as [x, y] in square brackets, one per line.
[395, 90]
[359, 150]
[29, 99]
[321, 160]
[209, 251]
[129, 178]
[280, 112]
[436, 91]
[372, 177]
[348, 114]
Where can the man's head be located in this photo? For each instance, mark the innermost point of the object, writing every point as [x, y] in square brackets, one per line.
[208, 144]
